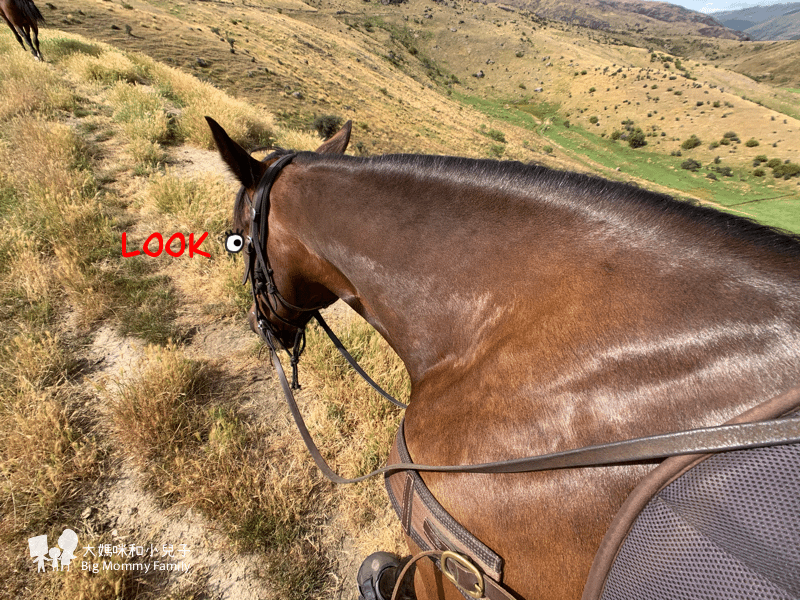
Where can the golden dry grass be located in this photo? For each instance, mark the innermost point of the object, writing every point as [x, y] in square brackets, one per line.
[178, 420]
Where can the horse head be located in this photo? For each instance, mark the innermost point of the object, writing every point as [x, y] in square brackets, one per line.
[285, 273]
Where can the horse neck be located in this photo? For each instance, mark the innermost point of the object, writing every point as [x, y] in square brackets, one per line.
[393, 267]
[430, 277]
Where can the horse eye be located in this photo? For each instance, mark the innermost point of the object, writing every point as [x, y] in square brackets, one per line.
[234, 242]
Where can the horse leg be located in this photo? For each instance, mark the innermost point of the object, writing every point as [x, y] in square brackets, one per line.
[26, 31]
[14, 29]
[35, 29]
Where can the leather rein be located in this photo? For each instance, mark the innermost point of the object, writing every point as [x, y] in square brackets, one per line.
[721, 438]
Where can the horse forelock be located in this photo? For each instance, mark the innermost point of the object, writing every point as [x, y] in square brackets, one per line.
[610, 201]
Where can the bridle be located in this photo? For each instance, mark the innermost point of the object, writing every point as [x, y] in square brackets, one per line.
[262, 284]
[262, 277]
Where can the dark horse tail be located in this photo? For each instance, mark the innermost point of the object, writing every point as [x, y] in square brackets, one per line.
[30, 10]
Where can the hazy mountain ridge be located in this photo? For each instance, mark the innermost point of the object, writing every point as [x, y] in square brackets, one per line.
[773, 22]
[651, 18]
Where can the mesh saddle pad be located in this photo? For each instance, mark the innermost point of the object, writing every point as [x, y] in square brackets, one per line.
[728, 528]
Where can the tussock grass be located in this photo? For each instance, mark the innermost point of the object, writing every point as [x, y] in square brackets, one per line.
[142, 300]
[243, 122]
[107, 67]
[45, 458]
[158, 413]
[197, 450]
[142, 114]
[56, 229]
[294, 139]
[191, 98]
[201, 203]
[44, 158]
[103, 585]
[30, 87]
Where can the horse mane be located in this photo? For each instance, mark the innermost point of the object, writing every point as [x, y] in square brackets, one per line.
[543, 183]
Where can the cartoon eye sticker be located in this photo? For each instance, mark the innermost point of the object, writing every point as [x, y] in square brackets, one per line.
[234, 241]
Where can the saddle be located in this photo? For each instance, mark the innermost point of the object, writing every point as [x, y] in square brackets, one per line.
[697, 526]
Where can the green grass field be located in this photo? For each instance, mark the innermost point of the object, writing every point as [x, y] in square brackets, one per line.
[765, 199]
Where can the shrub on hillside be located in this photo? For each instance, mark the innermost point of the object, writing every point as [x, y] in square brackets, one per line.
[775, 162]
[787, 170]
[637, 138]
[691, 142]
[327, 125]
[732, 136]
[691, 164]
[751, 143]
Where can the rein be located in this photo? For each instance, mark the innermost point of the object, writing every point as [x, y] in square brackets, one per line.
[721, 438]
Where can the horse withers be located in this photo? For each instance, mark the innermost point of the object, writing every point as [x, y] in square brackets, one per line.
[535, 311]
[23, 17]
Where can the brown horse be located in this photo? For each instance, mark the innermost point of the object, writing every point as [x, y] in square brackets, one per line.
[23, 17]
[535, 311]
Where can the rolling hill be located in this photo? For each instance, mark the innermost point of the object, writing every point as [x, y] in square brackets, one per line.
[646, 18]
[488, 80]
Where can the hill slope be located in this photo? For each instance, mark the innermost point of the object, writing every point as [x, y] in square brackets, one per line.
[481, 80]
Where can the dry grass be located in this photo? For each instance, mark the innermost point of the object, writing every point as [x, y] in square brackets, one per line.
[27, 87]
[142, 114]
[185, 432]
[244, 123]
[46, 458]
[60, 274]
[106, 66]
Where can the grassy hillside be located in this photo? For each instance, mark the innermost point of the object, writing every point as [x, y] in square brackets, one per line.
[133, 406]
[438, 78]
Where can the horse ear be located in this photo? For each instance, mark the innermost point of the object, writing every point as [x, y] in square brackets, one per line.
[246, 168]
[338, 143]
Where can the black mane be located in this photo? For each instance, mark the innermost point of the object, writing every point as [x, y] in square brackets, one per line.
[538, 180]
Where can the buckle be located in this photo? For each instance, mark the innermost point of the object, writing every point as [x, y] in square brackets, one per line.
[463, 561]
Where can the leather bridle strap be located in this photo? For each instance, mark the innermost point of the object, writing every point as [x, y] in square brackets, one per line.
[262, 282]
[352, 362]
[707, 440]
